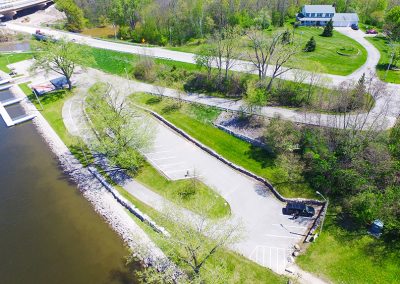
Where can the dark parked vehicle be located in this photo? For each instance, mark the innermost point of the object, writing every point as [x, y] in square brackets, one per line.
[354, 27]
[299, 209]
[371, 32]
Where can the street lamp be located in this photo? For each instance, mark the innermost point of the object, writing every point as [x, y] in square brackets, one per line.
[320, 194]
[326, 209]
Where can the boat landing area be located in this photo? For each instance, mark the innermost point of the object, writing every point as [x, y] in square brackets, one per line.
[3, 104]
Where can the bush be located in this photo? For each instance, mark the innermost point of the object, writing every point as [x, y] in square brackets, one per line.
[145, 69]
[234, 86]
[311, 45]
[289, 94]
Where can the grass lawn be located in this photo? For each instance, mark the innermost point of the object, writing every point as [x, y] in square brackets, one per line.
[196, 121]
[240, 269]
[52, 112]
[344, 256]
[382, 45]
[6, 59]
[325, 56]
[180, 193]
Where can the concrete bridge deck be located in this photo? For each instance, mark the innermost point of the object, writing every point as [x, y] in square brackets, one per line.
[8, 8]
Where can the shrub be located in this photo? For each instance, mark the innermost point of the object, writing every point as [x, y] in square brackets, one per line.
[311, 45]
[145, 69]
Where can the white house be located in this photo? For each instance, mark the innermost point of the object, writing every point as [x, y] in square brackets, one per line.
[319, 15]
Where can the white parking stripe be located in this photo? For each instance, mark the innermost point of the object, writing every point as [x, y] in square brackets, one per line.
[288, 237]
[175, 171]
[165, 158]
[172, 164]
[158, 152]
[299, 227]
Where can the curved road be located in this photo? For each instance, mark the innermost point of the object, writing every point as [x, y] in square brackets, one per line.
[383, 115]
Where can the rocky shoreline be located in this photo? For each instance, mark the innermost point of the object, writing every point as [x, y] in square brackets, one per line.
[142, 247]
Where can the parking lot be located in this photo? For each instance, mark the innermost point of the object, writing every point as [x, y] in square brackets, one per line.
[269, 235]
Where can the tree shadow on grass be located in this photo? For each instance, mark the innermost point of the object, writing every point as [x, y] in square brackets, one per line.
[49, 97]
[262, 155]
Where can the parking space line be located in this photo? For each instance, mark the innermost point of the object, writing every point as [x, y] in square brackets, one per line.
[172, 164]
[164, 158]
[175, 171]
[158, 152]
[288, 237]
[288, 226]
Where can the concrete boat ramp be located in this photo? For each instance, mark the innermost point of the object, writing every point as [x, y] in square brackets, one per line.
[3, 104]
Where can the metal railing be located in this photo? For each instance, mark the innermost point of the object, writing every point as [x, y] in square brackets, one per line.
[10, 4]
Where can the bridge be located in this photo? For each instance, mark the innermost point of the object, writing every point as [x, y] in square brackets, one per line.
[8, 8]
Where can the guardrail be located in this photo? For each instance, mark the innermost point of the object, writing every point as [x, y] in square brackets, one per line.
[18, 4]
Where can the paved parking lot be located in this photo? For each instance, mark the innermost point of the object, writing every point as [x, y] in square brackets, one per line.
[269, 235]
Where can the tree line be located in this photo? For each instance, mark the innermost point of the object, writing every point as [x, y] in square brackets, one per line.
[179, 21]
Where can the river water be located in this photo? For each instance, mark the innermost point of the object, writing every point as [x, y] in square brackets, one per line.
[48, 232]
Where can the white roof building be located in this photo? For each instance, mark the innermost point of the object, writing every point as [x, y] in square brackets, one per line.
[320, 15]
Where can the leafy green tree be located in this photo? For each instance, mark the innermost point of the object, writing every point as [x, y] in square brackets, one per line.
[392, 23]
[61, 56]
[310, 45]
[282, 136]
[121, 131]
[328, 29]
[75, 17]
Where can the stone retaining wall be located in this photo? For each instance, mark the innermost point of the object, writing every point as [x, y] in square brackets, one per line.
[230, 164]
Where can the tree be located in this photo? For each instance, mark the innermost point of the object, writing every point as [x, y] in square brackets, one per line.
[310, 45]
[269, 52]
[121, 131]
[392, 23]
[328, 29]
[225, 48]
[75, 18]
[282, 136]
[61, 56]
[196, 239]
[205, 58]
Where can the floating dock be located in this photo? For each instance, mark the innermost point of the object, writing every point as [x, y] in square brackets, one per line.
[3, 112]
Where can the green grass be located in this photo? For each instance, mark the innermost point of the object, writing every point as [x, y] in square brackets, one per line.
[52, 112]
[120, 63]
[196, 121]
[381, 44]
[177, 192]
[240, 269]
[325, 56]
[6, 59]
[344, 256]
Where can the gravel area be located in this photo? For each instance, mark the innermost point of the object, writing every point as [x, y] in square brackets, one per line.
[252, 127]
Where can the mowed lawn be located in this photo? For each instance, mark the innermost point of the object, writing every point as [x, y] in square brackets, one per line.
[382, 44]
[325, 57]
[8, 58]
[352, 257]
[197, 120]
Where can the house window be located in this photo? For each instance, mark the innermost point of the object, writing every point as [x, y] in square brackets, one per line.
[312, 15]
[308, 15]
[319, 15]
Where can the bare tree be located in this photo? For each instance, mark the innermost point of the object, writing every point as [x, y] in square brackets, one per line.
[196, 239]
[270, 52]
[225, 48]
